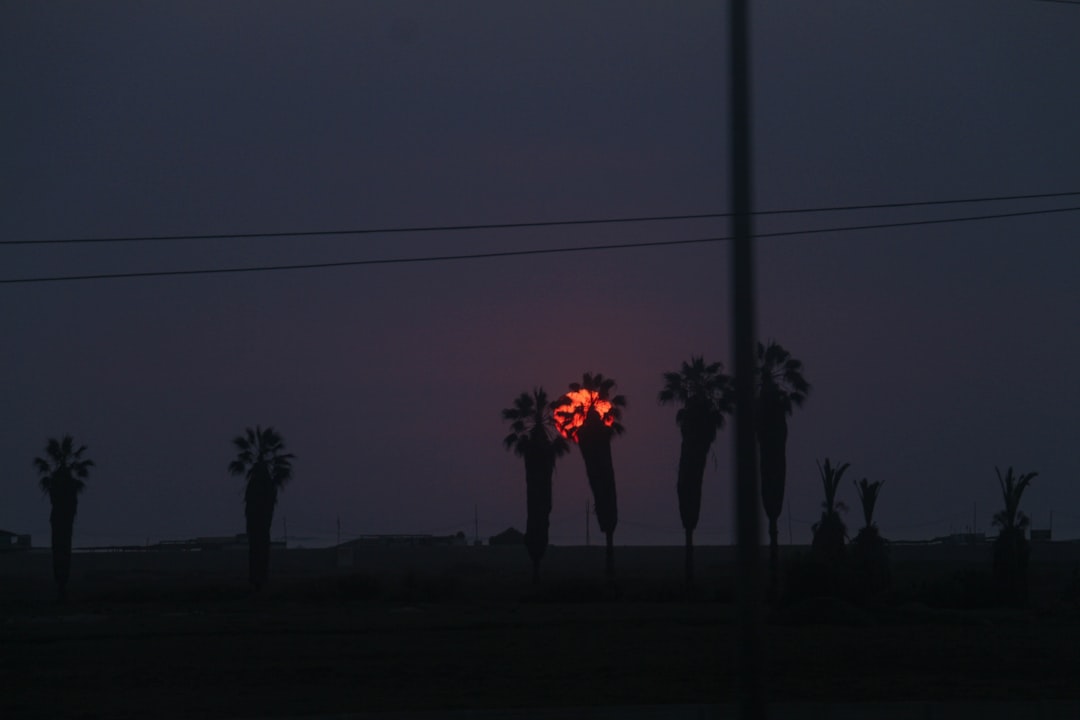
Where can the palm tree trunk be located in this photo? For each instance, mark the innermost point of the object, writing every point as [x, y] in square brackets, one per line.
[692, 459]
[62, 521]
[258, 557]
[772, 455]
[594, 440]
[260, 499]
[689, 557]
[774, 560]
[258, 532]
[538, 472]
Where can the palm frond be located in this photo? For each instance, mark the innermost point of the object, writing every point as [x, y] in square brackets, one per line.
[63, 469]
[52, 449]
[704, 392]
[1012, 489]
[262, 454]
[533, 423]
[830, 478]
[780, 377]
[868, 495]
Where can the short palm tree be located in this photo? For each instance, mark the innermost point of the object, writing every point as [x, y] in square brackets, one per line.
[531, 420]
[1011, 549]
[62, 476]
[589, 415]
[266, 467]
[704, 394]
[869, 551]
[829, 532]
[868, 495]
[781, 387]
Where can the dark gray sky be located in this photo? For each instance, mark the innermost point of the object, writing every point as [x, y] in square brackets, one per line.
[935, 352]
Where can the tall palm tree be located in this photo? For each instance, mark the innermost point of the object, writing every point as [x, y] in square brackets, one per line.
[781, 387]
[704, 394]
[62, 475]
[262, 460]
[1011, 547]
[530, 420]
[589, 415]
[829, 532]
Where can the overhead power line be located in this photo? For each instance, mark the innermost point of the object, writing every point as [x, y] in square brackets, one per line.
[509, 254]
[534, 224]
[522, 253]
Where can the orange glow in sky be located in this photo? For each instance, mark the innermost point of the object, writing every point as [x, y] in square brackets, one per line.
[570, 414]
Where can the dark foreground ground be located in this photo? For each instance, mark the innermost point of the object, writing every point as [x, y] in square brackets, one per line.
[463, 628]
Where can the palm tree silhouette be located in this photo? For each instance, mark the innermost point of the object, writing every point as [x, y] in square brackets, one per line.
[829, 532]
[266, 466]
[781, 388]
[868, 495]
[63, 472]
[868, 548]
[704, 394]
[530, 419]
[1011, 549]
[589, 415]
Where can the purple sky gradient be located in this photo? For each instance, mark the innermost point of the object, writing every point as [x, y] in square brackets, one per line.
[934, 352]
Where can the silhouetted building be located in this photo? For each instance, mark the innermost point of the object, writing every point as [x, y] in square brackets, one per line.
[203, 543]
[10, 542]
[961, 539]
[211, 543]
[509, 536]
[409, 540]
[1040, 535]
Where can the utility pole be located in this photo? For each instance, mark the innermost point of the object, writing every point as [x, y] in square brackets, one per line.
[587, 543]
[285, 529]
[338, 529]
[746, 485]
[476, 524]
[790, 535]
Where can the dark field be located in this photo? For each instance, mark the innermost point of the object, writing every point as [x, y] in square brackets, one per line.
[179, 635]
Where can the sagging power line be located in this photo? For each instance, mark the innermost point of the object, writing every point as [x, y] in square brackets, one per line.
[536, 224]
[527, 252]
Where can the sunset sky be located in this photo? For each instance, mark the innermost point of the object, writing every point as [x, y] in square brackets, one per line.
[935, 352]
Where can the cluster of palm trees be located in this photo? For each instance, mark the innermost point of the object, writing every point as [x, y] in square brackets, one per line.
[704, 395]
[541, 431]
[868, 557]
[1011, 547]
[830, 532]
[261, 459]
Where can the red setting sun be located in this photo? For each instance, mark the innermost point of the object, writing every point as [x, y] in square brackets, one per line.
[573, 407]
